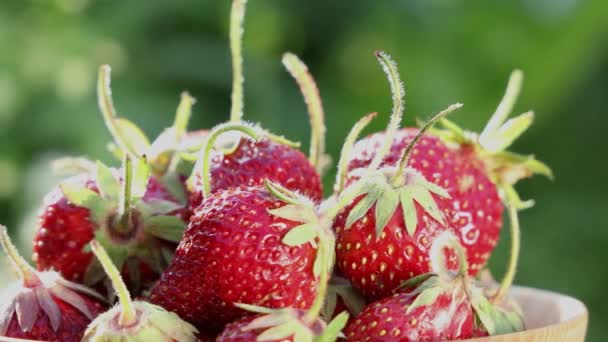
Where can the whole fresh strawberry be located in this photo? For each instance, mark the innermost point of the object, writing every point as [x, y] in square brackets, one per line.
[243, 162]
[134, 320]
[293, 324]
[43, 305]
[384, 235]
[132, 215]
[476, 170]
[437, 306]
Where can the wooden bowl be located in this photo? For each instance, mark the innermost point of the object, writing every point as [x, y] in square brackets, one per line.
[549, 316]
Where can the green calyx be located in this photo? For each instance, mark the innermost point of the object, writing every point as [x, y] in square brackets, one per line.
[504, 167]
[389, 187]
[310, 91]
[134, 320]
[279, 324]
[127, 225]
[340, 288]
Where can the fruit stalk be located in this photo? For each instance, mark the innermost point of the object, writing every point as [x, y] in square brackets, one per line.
[327, 243]
[106, 105]
[398, 91]
[128, 315]
[410, 147]
[237, 17]
[124, 210]
[509, 276]
[183, 114]
[345, 154]
[25, 271]
[208, 147]
[310, 91]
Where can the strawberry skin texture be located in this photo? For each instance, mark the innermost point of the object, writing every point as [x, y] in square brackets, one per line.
[449, 317]
[64, 230]
[252, 162]
[477, 207]
[232, 253]
[376, 266]
[234, 331]
[72, 326]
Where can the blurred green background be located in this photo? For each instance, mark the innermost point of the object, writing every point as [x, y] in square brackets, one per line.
[448, 51]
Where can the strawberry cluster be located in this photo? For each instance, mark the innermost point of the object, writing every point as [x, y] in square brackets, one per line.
[224, 234]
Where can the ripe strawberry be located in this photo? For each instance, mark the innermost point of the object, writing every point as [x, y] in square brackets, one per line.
[248, 163]
[139, 224]
[292, 324]
[232, 252]
[384, 235]
[43, 305]
[476, 170]
[431, 307]
[134, 320]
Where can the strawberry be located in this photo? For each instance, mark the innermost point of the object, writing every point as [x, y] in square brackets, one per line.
[43, 305]
[435, 306]
[139, 224]
[476, 170]
[294, 324]
[384, 235]
[134, 320]
[232, 252]
[248, 163]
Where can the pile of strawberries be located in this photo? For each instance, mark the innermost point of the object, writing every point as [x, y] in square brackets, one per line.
[224, 234]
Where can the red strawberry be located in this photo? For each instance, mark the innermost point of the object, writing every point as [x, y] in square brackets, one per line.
[383, 237]
[432, 307]
[43, 305]
[474, 169]
[291, 324]
[141, 239]
[249, 163]
[232, 252]
[475, 205]
[132, 321]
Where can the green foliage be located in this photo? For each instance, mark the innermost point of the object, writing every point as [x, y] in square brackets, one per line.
[448, 51]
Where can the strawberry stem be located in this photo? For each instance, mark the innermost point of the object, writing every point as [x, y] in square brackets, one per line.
[347, 148]
[126, 195]
[106, 105]
[390, 69]
[205, 157]
[237, 17]
[509, 276]
[410, 147]
[325, 250]
[183, 114]
[282, 193]
[24, 270]
[299, 71]
[128, 315]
